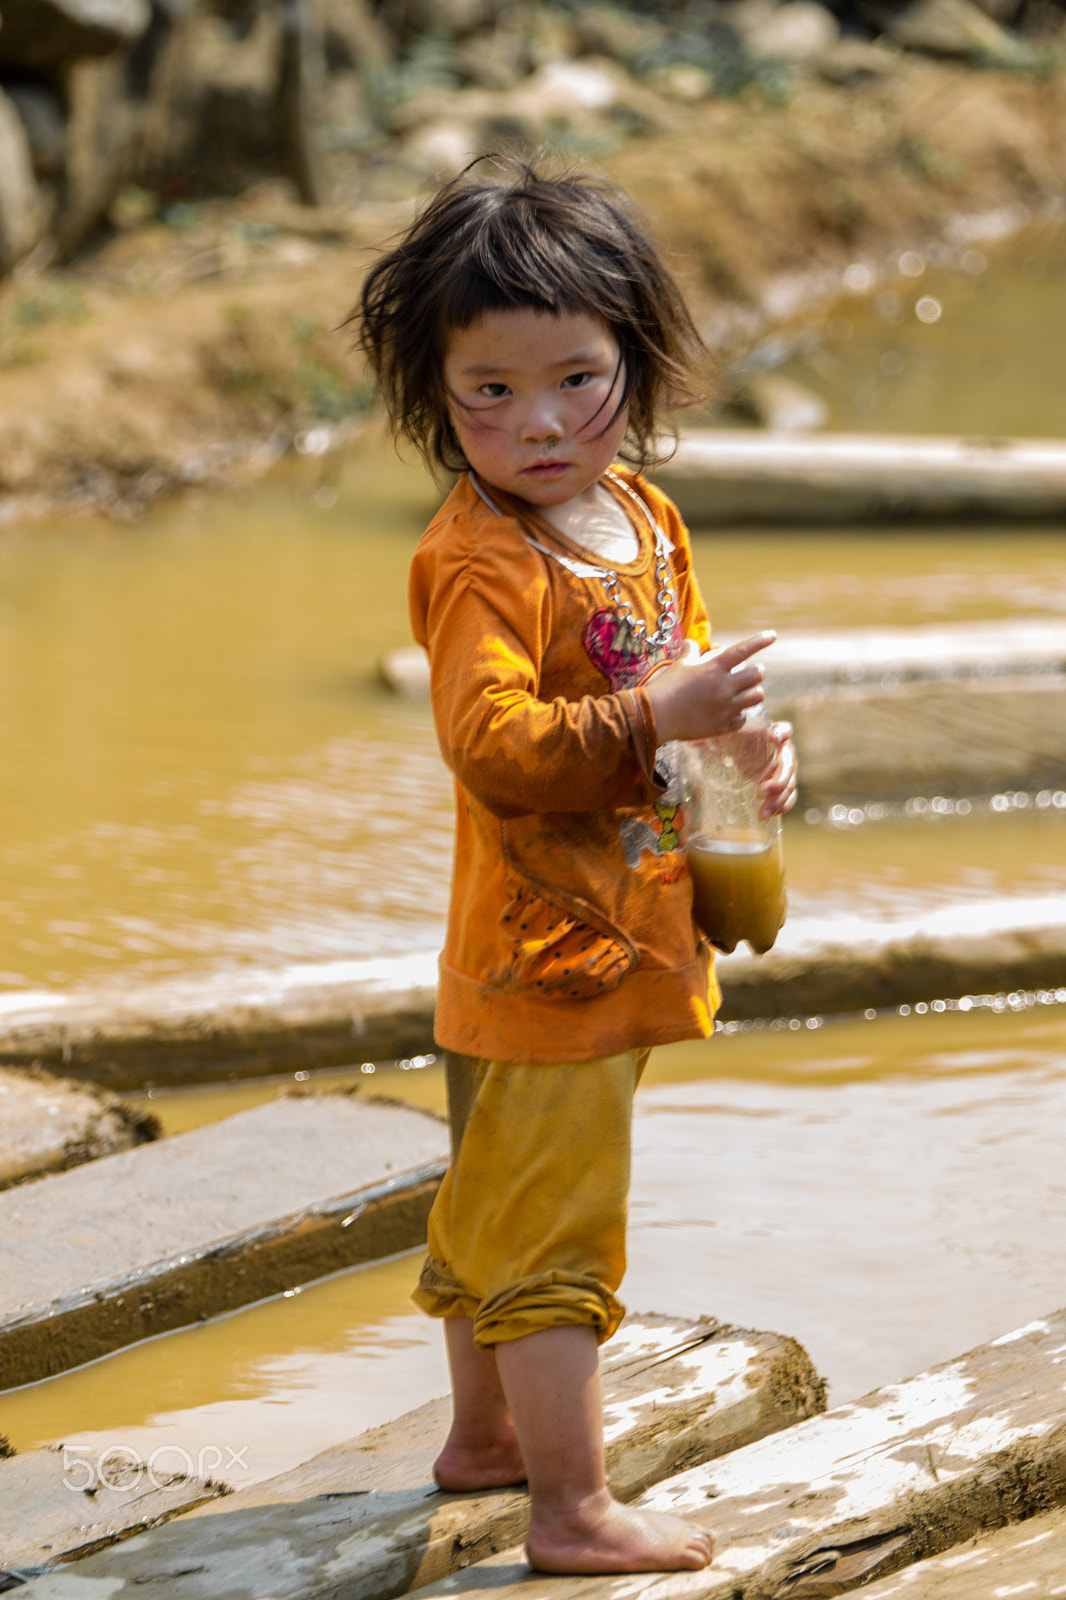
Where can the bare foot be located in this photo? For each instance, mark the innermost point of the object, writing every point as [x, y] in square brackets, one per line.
[600, 1535]
[485, 1463]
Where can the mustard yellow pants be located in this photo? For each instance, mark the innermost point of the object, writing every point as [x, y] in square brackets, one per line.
[528, 1230]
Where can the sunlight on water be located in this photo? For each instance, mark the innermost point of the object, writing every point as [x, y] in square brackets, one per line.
[889, 1192]
[209, 773]
[987, 364]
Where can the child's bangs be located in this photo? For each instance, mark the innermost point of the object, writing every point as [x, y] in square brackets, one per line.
[520, 270]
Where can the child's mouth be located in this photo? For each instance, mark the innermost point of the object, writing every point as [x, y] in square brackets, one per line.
[546, 469]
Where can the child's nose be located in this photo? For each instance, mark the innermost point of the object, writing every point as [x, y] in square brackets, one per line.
[541, 422]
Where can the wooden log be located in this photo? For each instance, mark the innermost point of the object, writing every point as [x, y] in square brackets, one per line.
[174, 1232]
[737, 475]
[905, 1473]
[49, 1124]
[198, 1030]
[246, 1025]
[365, 1522]
[973, 738]
[850, 658]
[841, 964]
[59, 1504]
[1026, 1559]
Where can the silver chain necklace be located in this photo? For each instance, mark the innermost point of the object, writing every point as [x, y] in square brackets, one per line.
[666, 621]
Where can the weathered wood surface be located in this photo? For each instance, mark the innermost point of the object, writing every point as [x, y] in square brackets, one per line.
[824, 965]
[908, 1472]
[49, 1124]
[248, 1024]
[364, 1521]
[59, 1504]
[162, 1236]
[1028, 1559]
[970, 738]
[742, 475]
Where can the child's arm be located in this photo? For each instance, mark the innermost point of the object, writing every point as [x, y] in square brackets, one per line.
[486, 630]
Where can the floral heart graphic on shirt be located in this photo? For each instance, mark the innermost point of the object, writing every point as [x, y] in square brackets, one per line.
[623, 656]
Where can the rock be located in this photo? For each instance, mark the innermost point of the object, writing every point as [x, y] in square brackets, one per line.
[783, 404]
[498, 59]
[454, 17]
[561, 87]
[952, 28]
[443, 146]
[851, 62]
[45, 34]
[21, 209]
[686, 84]
[798, 32]
[621, 35]
[41, 110]
[51, 1124]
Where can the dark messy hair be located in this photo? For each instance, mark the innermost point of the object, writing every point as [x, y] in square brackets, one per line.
[505, 235]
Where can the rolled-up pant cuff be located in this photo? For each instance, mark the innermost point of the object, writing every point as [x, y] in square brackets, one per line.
[554, 1299]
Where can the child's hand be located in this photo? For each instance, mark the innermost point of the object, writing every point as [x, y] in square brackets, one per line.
[779, 784]
[699, 701]
[766, 756]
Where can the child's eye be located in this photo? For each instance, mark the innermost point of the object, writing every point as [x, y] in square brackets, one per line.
[577, 380]
[493, 391]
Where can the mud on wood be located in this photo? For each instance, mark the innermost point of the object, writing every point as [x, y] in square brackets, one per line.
[905, 1473]
[365, 1522]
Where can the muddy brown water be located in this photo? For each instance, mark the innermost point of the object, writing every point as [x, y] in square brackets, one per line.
[968, 349]
[208, 775]
[889, 1192]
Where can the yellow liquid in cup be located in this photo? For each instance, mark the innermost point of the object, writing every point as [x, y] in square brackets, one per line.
[738, 891]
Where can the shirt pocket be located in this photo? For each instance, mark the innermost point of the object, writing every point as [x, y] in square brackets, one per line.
[555, 953]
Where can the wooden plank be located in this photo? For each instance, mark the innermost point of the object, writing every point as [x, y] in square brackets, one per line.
[1028, 1559]
[971, 738]
[822, 965]
[905, 1473]
[165, 1235]
[825, 965]
[847, 657]
[364, 1521]
[245, 1024]
[59, 1504]
[737, 475]
[49, 1124]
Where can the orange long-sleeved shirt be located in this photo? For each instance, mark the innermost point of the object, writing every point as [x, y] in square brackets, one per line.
[570, 933]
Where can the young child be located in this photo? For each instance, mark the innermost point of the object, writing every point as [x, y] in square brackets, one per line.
[524, 332]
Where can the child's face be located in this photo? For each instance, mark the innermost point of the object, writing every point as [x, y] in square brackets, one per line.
[532, 398]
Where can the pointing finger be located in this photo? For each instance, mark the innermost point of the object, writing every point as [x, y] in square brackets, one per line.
[735, 655]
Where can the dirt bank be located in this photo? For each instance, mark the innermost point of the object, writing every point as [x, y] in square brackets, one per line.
[195, 350]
